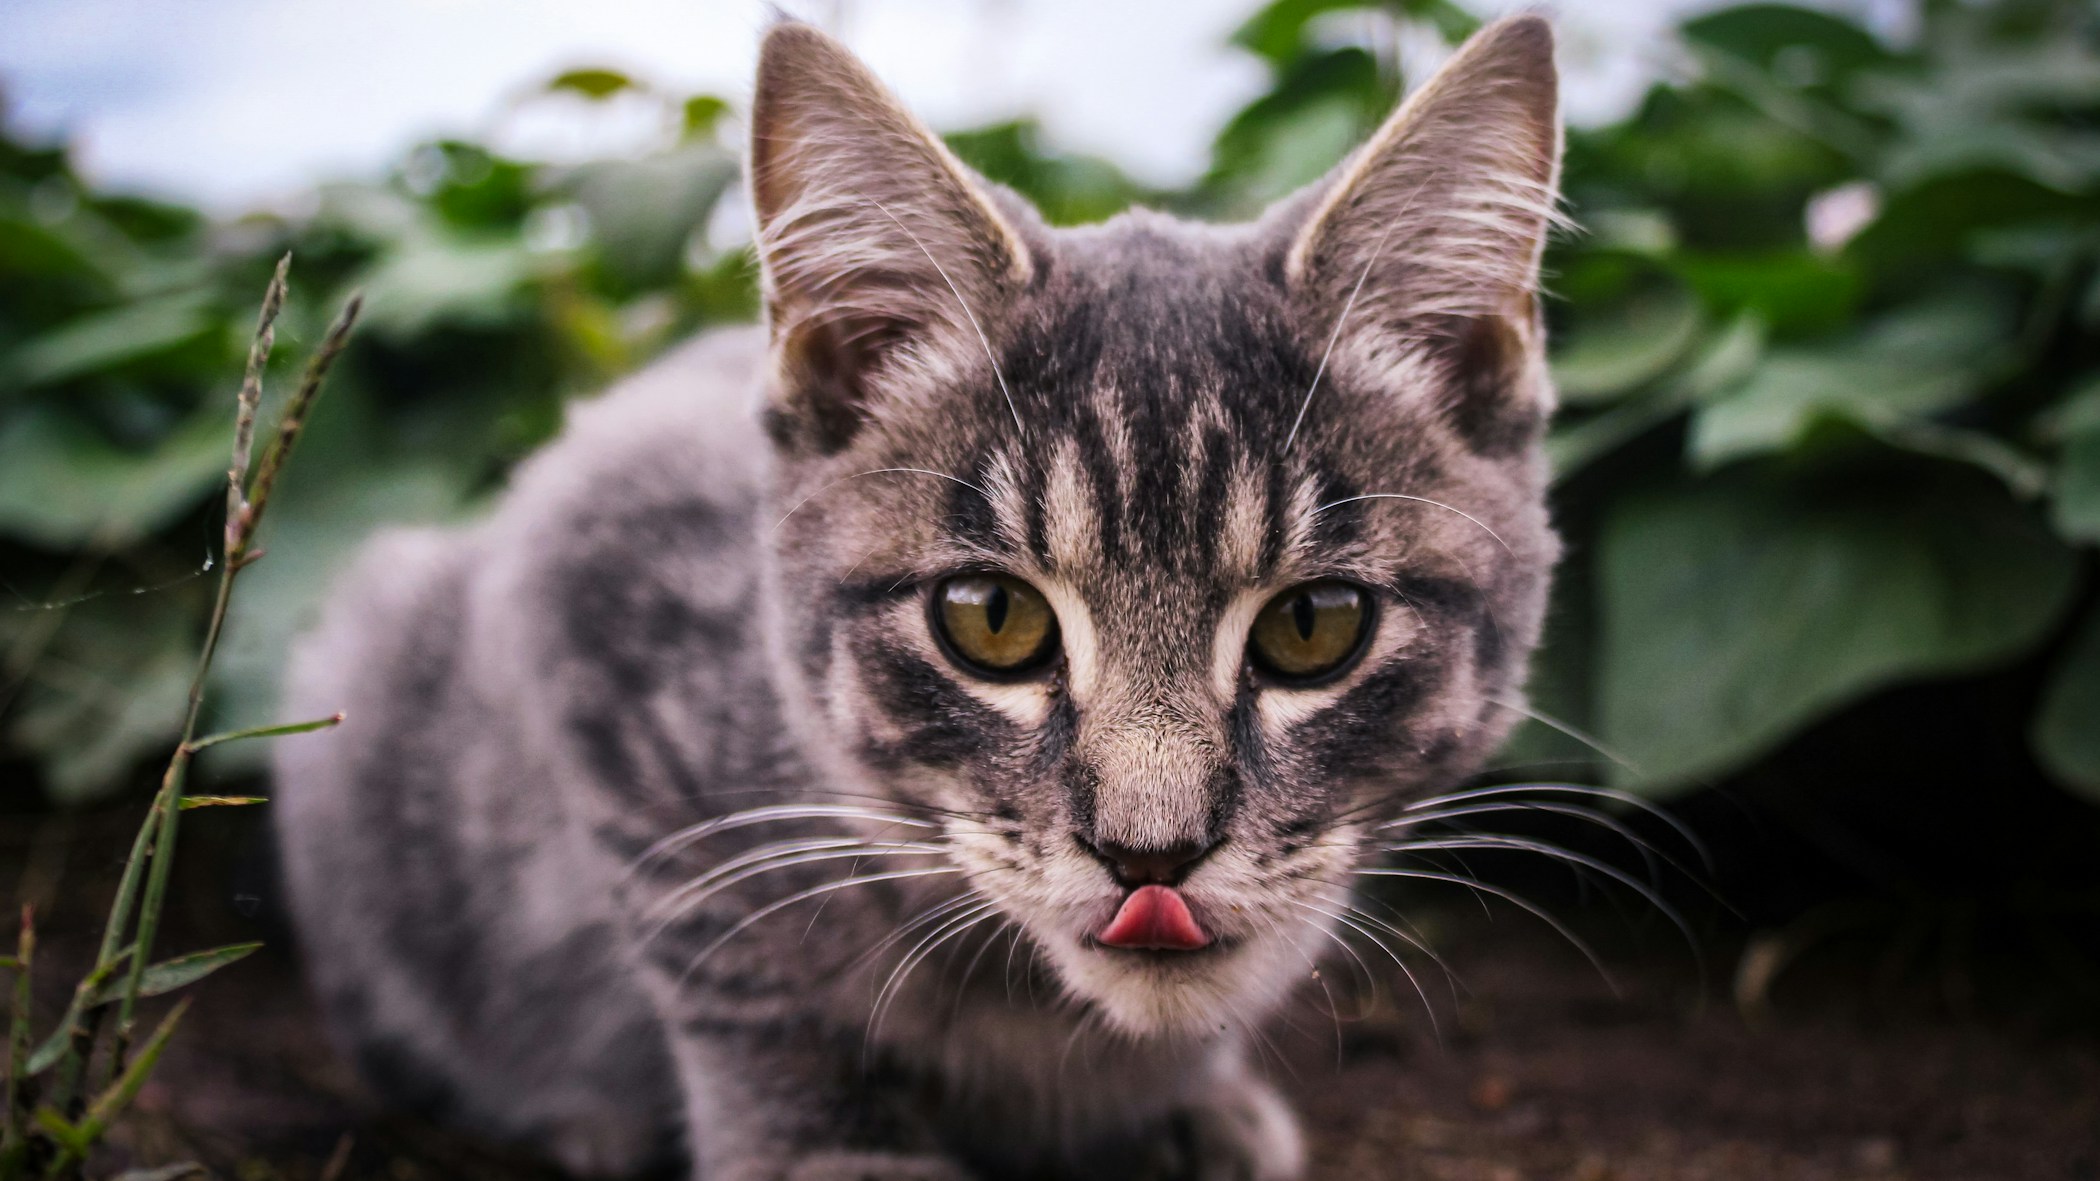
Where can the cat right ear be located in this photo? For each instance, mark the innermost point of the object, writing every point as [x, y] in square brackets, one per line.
[1426, 243]
[877, 250]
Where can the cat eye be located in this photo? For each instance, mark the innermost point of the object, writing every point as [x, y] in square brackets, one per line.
[1310, 632]
[994, 625]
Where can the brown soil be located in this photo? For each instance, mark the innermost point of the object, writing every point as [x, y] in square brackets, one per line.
[1862, 1064]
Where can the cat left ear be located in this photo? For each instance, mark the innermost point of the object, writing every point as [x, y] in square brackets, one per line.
[877, 249]
[1428, 239]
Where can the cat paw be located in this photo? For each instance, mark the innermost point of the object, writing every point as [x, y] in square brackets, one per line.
[1242, 1131]
[875, 1166]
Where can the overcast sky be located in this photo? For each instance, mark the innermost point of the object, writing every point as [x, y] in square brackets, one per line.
[242, 102]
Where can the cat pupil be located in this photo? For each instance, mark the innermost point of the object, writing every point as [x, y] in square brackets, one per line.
[1302, 616]
[995, 606]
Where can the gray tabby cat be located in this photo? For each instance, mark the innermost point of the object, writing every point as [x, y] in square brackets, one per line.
[941, 771]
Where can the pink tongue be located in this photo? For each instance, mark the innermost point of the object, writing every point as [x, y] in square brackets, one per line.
[1154, 918]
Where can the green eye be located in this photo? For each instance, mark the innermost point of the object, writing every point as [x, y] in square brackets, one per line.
[1310, 631]
[994, 625]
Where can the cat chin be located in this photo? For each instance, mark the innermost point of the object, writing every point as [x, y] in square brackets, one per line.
[1176, 996]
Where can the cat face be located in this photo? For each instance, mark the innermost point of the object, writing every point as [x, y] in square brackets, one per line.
[1161, 561]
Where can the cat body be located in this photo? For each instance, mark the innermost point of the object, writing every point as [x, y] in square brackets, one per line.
[699, 805]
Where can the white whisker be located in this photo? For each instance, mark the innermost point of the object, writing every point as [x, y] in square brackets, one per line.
[1349, 305]
[982, 339]
[1489, 841]
[1517, 900]
[768, 859]
[767, 911]
[1419, 500]
[1576, 789]
[880, 471]
[1350, 922]
[693, 834]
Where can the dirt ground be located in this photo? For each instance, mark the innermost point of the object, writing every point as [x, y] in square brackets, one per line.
[1888, 1052]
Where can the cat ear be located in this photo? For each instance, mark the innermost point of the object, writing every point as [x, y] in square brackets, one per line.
[1426, 242]
[877, 249]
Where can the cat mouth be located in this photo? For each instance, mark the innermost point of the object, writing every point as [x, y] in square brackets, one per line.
[1154, 918]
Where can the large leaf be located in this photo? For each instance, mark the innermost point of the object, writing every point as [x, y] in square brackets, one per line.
[435, 277]
[642, 212]
[1909, 365]
[1737, 609]
[121, 336]
[2067, 728]
[1628, 349]
[64, 485]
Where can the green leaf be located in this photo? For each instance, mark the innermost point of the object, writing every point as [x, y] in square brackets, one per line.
[1628, 350]
[1804, 46]
[169, 975]
[190, 802]
[434, 278]
[1792, 291]
[1721, 363]
[67, 1135]
[1917, 362]
[2076, 497]
[278, 731]
[1745, 606]
[592, 83]
[642, 212]
[108, 340]
[702, 114]
[63, 485]
[2067, 726]
[60, 1040]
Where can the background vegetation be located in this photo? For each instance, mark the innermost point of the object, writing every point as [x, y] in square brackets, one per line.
[1828, 342]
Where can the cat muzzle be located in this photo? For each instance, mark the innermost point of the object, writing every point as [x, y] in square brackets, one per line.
[1154, 918]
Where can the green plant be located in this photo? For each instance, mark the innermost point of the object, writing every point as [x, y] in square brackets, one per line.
[1829, 353]
[1829, 348]
[62, 1096]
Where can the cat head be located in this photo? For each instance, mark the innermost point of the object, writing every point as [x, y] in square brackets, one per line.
[1163, 560]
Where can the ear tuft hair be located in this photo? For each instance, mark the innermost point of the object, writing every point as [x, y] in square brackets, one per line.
[1428, 238]
[873, 238]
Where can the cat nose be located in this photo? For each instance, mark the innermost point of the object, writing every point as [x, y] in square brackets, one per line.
[1159, 866]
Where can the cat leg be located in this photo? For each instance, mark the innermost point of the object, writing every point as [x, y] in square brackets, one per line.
[1240, 1129]
[791, 1101]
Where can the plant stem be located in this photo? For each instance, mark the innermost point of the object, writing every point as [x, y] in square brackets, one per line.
[14, 1133]
[165, 819]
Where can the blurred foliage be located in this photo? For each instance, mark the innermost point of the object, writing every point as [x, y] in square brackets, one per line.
[1828, 345]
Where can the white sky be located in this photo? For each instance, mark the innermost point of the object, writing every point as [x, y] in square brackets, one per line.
[242, 102]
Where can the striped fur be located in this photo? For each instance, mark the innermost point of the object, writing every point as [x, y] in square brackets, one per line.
[662, 830]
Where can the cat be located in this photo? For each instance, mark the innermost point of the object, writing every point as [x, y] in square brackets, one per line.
[925, 736]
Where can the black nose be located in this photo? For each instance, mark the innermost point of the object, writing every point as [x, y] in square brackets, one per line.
[1159, 866]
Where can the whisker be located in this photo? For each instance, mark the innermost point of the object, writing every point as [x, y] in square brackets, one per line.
[1489, 841]
[962, 985]
[1627, 798]
[982, 339]
[1651, 856]
[1419, 500]
[931, 914]
[1550, 722]
[693, 834]
[1514, 899]
[667, 910]
[1347, 921]
[1349, 305]
[916, 471]
[773, 908]
[919, 953]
